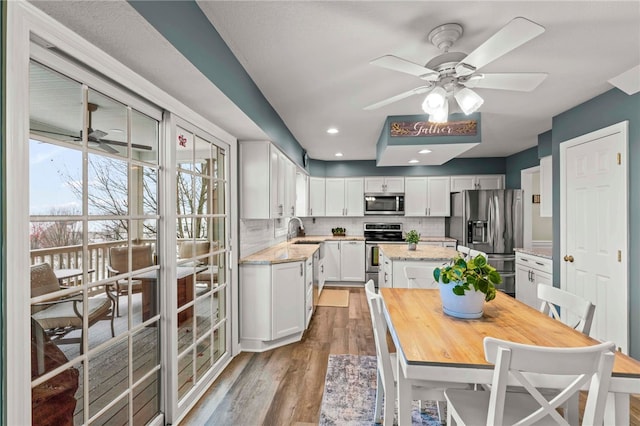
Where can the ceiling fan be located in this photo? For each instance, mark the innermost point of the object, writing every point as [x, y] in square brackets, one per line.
[95, 137]
[453, 74]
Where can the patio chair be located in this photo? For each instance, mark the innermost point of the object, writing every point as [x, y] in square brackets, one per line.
[60, 316]
[189, 249]
[141, 257]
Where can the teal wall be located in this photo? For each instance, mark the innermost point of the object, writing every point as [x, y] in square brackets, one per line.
[187, 28]
[545, 144]
[609, 108]
[456, 166]
[516, 163]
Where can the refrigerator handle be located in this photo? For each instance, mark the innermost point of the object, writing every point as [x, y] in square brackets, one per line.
[491, 219]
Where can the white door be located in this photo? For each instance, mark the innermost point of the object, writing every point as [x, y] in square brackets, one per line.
[594, 223]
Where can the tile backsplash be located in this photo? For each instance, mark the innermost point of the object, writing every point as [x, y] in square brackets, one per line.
[258, 234]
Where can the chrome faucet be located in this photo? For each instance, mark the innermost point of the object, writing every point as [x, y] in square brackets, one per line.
[301, 226]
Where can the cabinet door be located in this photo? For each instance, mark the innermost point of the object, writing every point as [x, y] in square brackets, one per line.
[384, 274]
[255, 190]
[461, 183]
[374, 184]
[308, 298]
[352, 260]
[525, 291]
[543, 278]
[276, 179]
[302, 194]
[316, 197]
[288, 292]
[415, 196]
[332, 260]
[289, 185]
[334, 191]
[439, 196]
[546, 187]
[394, 184]
[490, 182]
[354, 197]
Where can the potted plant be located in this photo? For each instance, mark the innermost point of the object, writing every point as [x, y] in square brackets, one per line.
[465, 285]
[338, 231]
[412, 238]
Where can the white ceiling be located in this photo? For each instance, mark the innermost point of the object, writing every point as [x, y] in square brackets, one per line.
[311, 59]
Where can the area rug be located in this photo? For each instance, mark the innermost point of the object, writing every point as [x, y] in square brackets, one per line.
[337, 298]
[350, 394]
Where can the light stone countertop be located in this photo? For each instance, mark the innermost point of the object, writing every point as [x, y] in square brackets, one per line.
[544, 252]
[291, 252]
[438, 239]
[422, 252]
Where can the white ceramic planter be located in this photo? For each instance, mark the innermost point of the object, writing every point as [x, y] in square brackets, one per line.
[468, 306]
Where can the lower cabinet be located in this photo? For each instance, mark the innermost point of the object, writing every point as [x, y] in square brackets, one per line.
[272, 304]
[530, 271]
[344, 260]
[391, 273]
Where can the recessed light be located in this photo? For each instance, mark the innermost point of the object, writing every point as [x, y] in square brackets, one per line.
[332, 130]
[424, 151]
[338, 154]
[414, 161]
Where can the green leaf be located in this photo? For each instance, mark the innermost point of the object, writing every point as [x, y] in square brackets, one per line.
[479, 261]
[458, 290]
[495, 277]
[436, 274]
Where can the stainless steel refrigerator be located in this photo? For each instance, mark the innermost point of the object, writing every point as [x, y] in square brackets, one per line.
[490, 221]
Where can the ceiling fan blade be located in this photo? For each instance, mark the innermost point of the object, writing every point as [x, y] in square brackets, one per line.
[416, 91]
[121, 143]
[96, 134]
[522, 82]
[398, 64]
[516, 33]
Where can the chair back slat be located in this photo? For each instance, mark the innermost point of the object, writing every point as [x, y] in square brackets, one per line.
[379, 332]
[577, 365]
[43, 280]
[578, 312]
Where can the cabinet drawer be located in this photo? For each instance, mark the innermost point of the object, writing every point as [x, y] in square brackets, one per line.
[535, 262]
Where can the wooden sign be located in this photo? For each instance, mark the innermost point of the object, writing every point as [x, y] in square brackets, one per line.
[427, 128]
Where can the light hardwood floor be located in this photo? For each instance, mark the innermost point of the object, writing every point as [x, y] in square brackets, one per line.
[284, 386]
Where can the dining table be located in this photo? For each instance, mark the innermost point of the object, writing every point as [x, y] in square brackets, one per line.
[432, 345]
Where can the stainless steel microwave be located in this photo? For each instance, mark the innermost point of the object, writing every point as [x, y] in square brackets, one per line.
[391, 204]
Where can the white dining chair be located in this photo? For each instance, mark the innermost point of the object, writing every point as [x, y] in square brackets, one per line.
[473, 253]
[464, 250]
[577, 311]
[420, 277]
[574, 367]
[387, 378]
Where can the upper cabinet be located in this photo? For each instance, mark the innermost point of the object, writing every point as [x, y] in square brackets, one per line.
[384, 184]
[465, 182]
[271, 197]
[316, 196]
[546, 187]
[427, 196]
[302, 193]
[344, 197]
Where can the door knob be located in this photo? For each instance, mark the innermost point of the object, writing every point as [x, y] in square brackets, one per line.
[568, 258]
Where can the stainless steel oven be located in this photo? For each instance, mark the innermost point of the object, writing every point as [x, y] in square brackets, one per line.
[374, 234]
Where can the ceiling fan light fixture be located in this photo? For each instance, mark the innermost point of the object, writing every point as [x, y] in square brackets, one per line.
[468, 100]
[440, 115]
[434, 100]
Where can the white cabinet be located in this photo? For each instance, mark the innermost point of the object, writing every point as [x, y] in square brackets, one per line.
[546, 187]
[391, 272]
[302, 194]
[464, 182]
[427, 196]
[394, 184]
[531, 271]
[267, 182]
[308, 279]
[316, 196]
[272, 304]
[344, 197]
[344, 261]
